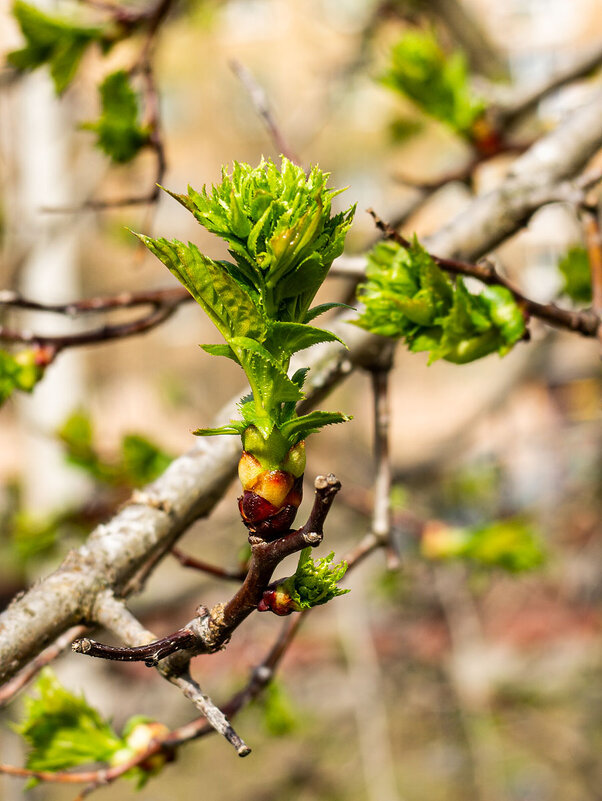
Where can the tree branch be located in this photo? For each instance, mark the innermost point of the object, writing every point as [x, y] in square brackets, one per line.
[520, 101]
[45, 657]
[56, 343]
[193, 483]
[210, 630]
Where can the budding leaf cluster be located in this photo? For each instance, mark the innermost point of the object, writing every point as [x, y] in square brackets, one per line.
[18, 371]
[64, 731]
[436, 82]
[53, 40]
[282, 240]
[407, 296]
[576, 271]
[313, 583]
[511, 544]
[120, 134]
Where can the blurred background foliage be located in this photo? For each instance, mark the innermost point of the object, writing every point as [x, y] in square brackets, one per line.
[472, 671]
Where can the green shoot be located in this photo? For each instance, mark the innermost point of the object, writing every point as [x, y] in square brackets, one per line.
[407, 296]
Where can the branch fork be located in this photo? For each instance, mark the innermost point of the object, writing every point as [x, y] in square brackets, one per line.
[209, 631]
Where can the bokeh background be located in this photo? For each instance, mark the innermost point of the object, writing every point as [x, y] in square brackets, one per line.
[435, 681]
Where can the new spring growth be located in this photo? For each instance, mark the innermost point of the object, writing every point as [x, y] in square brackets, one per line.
[313, 584]
[407, 296]
[282, 239]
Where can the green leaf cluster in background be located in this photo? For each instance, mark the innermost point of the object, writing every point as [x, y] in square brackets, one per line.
[511, 544]
[408, 296]
[18, 371]
[436, 82]
[64, 731]
[280, 717]
[53, 40]
[575, 269]
[282, 240]
[120, 134]
[313, 583]
[25, 536]
[139, 461]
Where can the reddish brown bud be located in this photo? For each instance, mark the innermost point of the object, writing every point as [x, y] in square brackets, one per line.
[277, 602]
[254, 508]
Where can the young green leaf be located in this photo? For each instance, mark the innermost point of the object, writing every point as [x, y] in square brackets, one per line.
[141, 460]
[228, 304]
[437, 83]
[407, 296]
[322, 309]
[53, 40]
[282, 239]
[18, 371]
[63, 730]
[277, 223]
[511, 544]
[299, 428]
[314, 583]
[284, 339]
[120, 135]
[575, 269]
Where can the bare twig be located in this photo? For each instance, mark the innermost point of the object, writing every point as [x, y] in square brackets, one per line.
[149, 654]
[205, 567]
[260, 102]
[56, 343]
[210, 630]
[214, 716]
[523, 100]
[381, 513]
[18, 682]
[101, 303]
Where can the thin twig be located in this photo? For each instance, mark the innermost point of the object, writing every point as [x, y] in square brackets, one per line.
[56, 343]
[260, 102]
[214, 716]
[18, 682]
[381, 513]
[522, 100]
[149, 654]
[101, 303]
[153, 19]
[205, 567]
[261, 676]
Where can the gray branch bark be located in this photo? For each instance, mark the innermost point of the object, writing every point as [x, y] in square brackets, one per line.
[118, 551]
